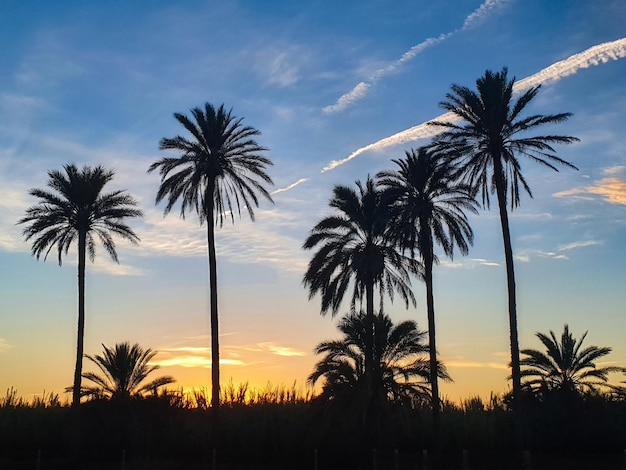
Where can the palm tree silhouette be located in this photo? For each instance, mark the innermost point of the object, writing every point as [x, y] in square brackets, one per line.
[77, 209]
[354, 246]
[565, 365]
[487, 145]
[124, 368]
[429, 204]
[402, 373]
[220, 168]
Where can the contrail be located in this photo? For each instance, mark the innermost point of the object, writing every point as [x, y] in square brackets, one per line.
[361, 89]
[291, 186]
[595, 55]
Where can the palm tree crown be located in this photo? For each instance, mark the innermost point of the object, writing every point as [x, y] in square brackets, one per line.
[565, 365]
[355, 247]
[219, 169]
[493, 135]
[403, 371]
[78, 206]
[76, 209]
[430, 203]
[124, 369]
[486, 145]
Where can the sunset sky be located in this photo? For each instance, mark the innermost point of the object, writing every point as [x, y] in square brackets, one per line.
[337, 90]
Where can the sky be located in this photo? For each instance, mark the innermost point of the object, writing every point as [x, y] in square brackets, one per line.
[338, 90]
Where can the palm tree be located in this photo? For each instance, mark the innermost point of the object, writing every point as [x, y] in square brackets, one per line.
[124, 369]
[355, 247]
[402, 372]
[488, 143]
[220, 168]
[429, 203]
[565, 366]
[77, 209]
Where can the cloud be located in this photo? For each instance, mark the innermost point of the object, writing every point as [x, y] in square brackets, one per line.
[469, 263]
[194, 361]
[279, 66]
[482, 12]
[421, 131]
[361, 89]
[291, 186]
[613, 190]
[595, 55]
[580, 244]
[283, 351]
[232, 355]
[461, 363]
[4, 346]
[346, 100]
[526, 255]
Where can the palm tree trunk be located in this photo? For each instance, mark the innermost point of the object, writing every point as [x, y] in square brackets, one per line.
[369, 359]
[369, 311]
[215, 342]
[78, 369]
[516, 374]
[427, 254]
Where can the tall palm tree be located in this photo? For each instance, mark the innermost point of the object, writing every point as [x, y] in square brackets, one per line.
[124, 368]
[354, 247]
[430, 206]
[220, 168]
[488, 142]
[78, 209]
[565, 366]
[403, 371]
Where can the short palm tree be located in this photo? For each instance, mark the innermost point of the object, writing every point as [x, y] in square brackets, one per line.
[565, 365]
[430, 205]
[354, 247]
[124, 368]
[400, 351]
[488, 142]
[78, 209]
[220, 168]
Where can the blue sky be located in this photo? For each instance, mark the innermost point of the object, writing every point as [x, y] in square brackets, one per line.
[98, 83]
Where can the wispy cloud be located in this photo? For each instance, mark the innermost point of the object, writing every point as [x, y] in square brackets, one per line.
[579, 244]
[4, 346]
[283, 351]
[595, 55]
[462, 363]
[526, 255]
[612, 189]
[361, 89]
[469, 263]
[279, 66]
[291, 186]
[233, 355]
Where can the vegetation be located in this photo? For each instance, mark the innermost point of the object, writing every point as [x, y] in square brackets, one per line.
[429, 205]
[220, 168]
[77, 209]
[124, 368]
[565, 366]
[355, 248]
[486, 147]
[401, 374]
[282, 428]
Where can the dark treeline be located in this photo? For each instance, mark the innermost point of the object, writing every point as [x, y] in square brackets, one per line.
[283, 427]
